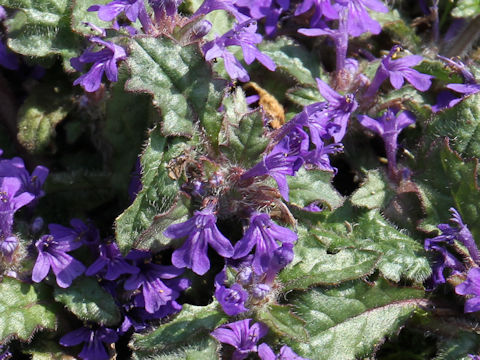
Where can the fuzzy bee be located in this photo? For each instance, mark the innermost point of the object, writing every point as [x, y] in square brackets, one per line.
[270, 105]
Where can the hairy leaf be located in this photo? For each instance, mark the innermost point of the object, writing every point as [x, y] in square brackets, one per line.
[399, 31]
[42, 349]
[293, 59]
[283, 322]
[461, 124]
[46, 106]
[80, 17]
[42, 28]
[401, 255]
[349, 321]
[466, 8]
[193, 321]
[459, 347]
[242, 137]
[312, 264]
[206, 349]
[23, 309]
[303, 96]
[159, 189]
[309, 186]
[374, 193]
[89, 302]
[180, 82]
[449, 181]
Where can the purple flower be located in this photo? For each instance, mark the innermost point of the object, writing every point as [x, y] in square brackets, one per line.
[81, 233]
[10, 201]
[322, 8]
[443, 260]
[320, 156]
[389, 126]
[169, 7]
[201, 231]
[332, 117]
[3, 13]
[471, 286]
[278, 163]
[262, 234]
[29, 183]
[8, 246]
[359, 21]
[446, 99]
[265, 352]
[245, 36]
[111, 259]
[231, 299]
[52, 253]
[460, 233]
[465, 89]
[133, 10]
[474, 357]
[399, 70]
[241, 336]
[93, 349]
[104, 61]
[269, 9]
[228, 5]
[8, 59]
[155, 292]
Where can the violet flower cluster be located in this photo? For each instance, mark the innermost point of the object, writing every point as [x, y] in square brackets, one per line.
[446, 99]
[18, 188]
[446, 260]
[308, 139]
[244, 339]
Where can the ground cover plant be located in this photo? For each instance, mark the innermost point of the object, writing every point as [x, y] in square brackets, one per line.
[238, 179]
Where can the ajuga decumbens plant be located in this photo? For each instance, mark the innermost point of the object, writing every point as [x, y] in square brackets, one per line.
[238, 179]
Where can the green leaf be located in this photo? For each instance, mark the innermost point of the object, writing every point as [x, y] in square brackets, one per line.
[281, 320]
[401, 255]
[206, 349]
[303, 96]
[180, 82]
[152, 238]
[46, 106]
[42, 349]
[447, 182]
[459, 347]
[461, 124]
[42, 28]
[466, 8]
[242, 137]
[293, 59]
[309, 186]
[349, 321]
[89, 302]
[80, 16]
[158, 193]
[375, 191]
[192, 322]
[23, 310]
[438, 69]
[399, 31]
[312, 264]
